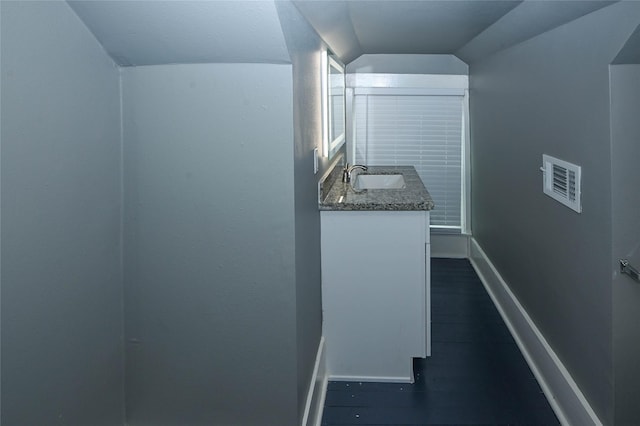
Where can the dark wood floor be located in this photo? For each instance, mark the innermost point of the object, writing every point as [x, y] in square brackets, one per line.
[476, 374]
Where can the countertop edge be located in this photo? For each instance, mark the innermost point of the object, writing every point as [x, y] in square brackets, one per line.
[415, 197]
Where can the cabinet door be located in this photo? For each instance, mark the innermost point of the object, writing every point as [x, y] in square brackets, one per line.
[374, 277]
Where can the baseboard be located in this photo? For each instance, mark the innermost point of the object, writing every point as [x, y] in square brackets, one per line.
[563, 393]
[378, 379]
[450, 245]
[317, 390]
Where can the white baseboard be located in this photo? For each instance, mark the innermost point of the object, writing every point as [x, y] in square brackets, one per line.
[317, 390]
[450, 245]
[377, 379]
[563, 393]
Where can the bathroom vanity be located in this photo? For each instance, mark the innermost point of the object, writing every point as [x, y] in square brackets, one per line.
[375, 274]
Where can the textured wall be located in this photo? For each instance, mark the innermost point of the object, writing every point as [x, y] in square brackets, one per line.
[550, 95]
[305, 48]
[625, 175]
[210, 298]
[62, 352]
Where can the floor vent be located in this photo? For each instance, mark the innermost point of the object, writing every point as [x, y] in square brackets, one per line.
[561, 181]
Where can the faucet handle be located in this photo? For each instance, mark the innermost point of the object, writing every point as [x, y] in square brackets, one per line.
[345, 173]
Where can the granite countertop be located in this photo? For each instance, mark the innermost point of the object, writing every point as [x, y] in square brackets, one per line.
[337, 195]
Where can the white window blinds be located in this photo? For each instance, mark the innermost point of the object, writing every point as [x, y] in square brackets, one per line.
[424, 131]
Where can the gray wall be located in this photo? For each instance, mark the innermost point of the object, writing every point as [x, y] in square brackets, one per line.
[408, 64]
[625, 197]
[210, 296]
[62, 352]
[304, 47]
[550, 95]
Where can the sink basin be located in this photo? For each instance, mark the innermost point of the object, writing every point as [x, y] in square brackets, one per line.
[378, 182]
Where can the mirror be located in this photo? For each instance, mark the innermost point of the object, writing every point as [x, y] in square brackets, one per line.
[334, 105]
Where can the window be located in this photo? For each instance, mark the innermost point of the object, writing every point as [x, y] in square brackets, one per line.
[423, 126]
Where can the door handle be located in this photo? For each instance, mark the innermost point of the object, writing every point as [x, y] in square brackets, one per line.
[626, 268]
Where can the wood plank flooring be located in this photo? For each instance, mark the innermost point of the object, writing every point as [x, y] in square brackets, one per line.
[476, 374]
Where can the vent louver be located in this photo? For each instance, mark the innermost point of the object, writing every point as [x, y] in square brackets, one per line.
[561, 181]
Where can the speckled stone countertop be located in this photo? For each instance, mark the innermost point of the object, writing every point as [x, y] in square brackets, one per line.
[337, 195]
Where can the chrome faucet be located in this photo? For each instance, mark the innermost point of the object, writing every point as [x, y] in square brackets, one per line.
[346, 172]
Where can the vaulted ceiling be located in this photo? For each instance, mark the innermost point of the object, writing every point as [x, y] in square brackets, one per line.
[468, 29]
[354, 28]
[154, 32]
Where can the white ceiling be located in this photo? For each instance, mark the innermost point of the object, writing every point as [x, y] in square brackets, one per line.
[630, 53]
[376, 27]
[468, 29]
[150, 32]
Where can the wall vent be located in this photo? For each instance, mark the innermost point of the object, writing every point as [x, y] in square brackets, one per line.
[561, 181]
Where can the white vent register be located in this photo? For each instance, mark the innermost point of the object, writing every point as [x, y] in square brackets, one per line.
[561, 181]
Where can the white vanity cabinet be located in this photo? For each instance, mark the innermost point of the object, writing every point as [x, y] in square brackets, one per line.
[375, 293]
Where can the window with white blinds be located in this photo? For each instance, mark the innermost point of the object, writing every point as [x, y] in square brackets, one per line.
[425, 131]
